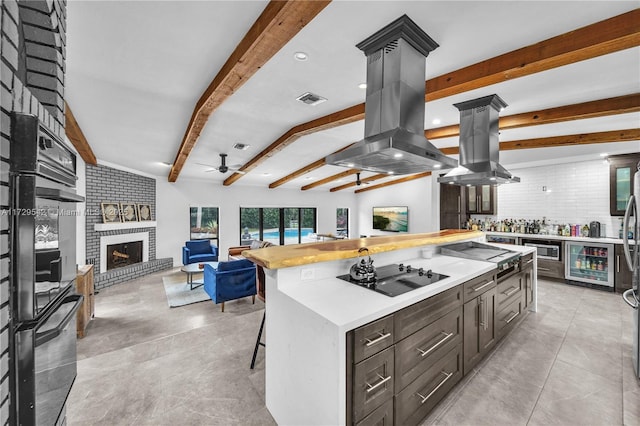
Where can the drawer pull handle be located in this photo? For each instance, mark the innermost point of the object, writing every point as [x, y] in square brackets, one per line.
[377, 339]
[482, 286]
[383, 380]
[513, 317]
[543, 269]
[425, 398]
[511, 290]
[446, 337]
[529, 261]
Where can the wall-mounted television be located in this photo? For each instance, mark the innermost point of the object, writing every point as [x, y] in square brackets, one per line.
[391, 218]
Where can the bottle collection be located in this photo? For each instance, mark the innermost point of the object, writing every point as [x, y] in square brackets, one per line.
[525, 226]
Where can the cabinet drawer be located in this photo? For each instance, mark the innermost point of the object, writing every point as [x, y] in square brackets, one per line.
[372, 338]
[414, 317]
[419, 398]
[372, 383]
[510, 289]
[526, 260]
[476, 286]
[508, 317]
[381, 416]
[418, 352]
[550, 268]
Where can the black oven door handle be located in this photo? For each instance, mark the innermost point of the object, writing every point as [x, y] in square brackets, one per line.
[58, 195]
[44, 337]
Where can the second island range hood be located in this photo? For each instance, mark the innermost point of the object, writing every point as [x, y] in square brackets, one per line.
[394, 141]
[479, 145]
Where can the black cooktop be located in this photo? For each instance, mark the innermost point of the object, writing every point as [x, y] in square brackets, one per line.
[394, 279]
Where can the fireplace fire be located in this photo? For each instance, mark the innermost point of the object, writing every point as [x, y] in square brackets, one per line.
[123, 254]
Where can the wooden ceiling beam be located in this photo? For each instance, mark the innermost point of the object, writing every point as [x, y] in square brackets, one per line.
[365, 180]
[327, 122]
[74, 133]
[598, 108]
[394, 182]
[279, 22]
[303, 170]
[601, 38]
[337, 176]
[626, 135]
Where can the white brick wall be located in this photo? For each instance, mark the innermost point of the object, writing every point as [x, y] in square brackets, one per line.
[576, 193]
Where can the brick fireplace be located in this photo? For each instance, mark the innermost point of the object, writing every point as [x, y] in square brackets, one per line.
[108, 184]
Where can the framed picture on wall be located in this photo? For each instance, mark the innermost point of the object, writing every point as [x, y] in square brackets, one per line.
[110, 212]
[129, 212]
[144, 212]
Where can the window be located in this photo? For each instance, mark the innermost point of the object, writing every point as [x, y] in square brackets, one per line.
[280, 226]
[342, 223]
[204, 223]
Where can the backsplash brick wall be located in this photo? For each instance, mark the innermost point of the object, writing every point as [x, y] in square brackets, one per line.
[32, 52]
[577, 193]
[106, 184]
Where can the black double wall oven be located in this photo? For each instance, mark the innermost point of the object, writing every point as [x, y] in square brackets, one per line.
[44, 210]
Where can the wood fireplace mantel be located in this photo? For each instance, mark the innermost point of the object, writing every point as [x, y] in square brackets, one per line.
[125, 225]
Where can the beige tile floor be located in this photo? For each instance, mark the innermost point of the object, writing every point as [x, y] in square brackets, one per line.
[142, 363]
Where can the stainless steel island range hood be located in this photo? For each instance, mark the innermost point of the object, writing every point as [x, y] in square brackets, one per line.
[479, 145]
[394, 139]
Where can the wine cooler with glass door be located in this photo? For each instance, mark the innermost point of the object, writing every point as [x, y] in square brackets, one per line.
[590, 263]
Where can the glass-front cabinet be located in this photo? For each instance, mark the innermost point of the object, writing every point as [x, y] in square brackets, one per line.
[590, 263]
[621, 170]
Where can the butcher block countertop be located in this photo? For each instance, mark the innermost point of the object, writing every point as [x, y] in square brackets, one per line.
[276, 257]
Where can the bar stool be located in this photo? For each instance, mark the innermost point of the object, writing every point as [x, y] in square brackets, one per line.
[261, 295]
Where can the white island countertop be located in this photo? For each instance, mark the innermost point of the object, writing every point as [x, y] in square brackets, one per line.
[348, 305]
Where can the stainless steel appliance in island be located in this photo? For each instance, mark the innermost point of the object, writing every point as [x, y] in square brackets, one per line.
[43, 206]
[632, 296]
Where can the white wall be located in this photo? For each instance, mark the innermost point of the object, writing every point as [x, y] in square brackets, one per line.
[174, 199]
[579, 194]
[418, 195]
[81, 189]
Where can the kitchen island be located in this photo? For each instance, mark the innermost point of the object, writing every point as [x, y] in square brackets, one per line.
[309, 313]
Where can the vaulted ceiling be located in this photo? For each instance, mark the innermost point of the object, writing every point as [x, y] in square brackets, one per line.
[176, 82]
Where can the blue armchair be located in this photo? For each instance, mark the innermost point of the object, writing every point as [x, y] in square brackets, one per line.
[232, 280]
[196, 251]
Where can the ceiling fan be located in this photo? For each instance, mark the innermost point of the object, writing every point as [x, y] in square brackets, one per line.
[359, 182]
[223, 168]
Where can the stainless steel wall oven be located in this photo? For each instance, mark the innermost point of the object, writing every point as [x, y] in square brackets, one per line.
[43, 208]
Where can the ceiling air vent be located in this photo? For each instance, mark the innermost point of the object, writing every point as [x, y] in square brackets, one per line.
[241, 146]
[311, 98]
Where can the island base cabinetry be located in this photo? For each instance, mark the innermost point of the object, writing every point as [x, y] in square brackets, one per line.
[380, 388]
[479, 314]
[421, 396]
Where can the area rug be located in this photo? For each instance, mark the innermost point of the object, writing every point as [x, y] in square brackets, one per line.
[179, 294]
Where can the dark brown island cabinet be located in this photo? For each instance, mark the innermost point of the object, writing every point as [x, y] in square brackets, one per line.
[622, 273]
[400, 366]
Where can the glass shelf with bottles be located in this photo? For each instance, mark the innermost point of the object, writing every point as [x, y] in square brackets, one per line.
[589, 262]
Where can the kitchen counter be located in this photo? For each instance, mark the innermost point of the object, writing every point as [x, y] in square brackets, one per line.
[601, 240]
[275, 257]
[309, 311]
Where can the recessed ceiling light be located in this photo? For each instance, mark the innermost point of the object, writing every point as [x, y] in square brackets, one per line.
[604, 154]
[450, 183]
[350, 164]
[164, 163]
[389, 173]
[436, 121]
[309, 178]
[300, 56]
[362, 85]
[397, 155]
[492, 178]
[437, 166]
[266, 174]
